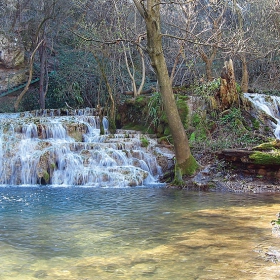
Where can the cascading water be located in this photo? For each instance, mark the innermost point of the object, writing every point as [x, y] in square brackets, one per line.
[44, 148]
[270, 105]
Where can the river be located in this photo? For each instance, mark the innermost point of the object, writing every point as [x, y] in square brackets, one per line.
[79, 233]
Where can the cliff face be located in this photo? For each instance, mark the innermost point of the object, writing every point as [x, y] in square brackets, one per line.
[12, 62]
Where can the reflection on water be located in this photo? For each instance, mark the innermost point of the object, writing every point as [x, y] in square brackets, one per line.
[135, 233]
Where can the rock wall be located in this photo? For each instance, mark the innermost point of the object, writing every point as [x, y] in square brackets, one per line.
[12, 62]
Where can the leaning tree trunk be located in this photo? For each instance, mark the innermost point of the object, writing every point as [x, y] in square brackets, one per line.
[228, 92]
[185, 162]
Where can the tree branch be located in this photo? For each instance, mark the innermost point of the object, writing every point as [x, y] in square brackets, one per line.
[30, 76]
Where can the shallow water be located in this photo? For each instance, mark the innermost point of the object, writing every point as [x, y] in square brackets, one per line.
[135, 233]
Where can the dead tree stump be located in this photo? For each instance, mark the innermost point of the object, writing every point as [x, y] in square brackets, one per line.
[228, 93]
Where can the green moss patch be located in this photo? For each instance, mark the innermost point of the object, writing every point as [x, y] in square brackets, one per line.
[273, 145]
[266, 158]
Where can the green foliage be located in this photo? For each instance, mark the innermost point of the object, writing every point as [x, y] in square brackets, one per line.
[256, 124]
[155, 109]
[196, 119]
[201, 125]
[157, 116]
[166, 131]
[238, 88]
[229, 129]
[182, 105]
[231, 116]
[192, 137]
[234, 122]
[207, 88]
[276, 222]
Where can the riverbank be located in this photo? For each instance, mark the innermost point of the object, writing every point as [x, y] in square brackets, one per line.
[219, 175]
[231, 180]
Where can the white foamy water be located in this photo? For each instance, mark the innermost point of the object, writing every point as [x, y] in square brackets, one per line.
[270, 105]
[69, 150]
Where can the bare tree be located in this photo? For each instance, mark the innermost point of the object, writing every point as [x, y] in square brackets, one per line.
[37, 24]
[185, 162]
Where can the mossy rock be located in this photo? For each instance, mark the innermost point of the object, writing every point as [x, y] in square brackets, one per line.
[266, 158]
[46, 177]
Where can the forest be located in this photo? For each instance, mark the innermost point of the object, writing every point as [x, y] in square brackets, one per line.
[109, 54]
[99, 48]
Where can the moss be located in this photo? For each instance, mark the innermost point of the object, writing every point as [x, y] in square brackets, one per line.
[183, 109]
[178, 179]
[141, 101]
[46, 177]
[238, 124]
[52, 166]
[188, 168]
[266, 158]
[166, 131]
[165, 140]
[144, 142]
[268, 146]
[112, 126]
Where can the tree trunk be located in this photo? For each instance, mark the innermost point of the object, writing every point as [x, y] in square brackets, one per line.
[185, 162]
[208, 65]
[112, 108]
[245, 74]
[43, 61]
[208, 62]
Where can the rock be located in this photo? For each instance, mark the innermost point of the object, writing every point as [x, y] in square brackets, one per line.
[264, 163]
[12, 52]
[12, 62]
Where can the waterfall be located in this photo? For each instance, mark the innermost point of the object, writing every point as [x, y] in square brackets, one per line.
[47, 147]
[270, 105]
